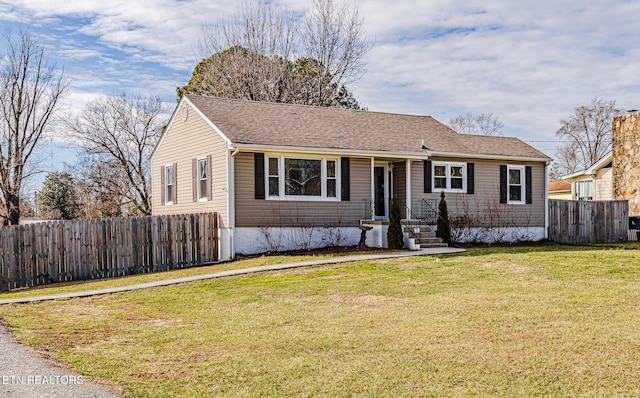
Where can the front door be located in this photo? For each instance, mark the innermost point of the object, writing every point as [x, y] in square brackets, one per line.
[380, 204]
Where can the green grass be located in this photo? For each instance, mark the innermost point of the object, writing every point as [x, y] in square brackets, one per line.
[75, 286]
[515, 321]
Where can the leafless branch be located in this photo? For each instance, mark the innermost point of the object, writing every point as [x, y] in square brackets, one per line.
[121, 132]
[31, 88]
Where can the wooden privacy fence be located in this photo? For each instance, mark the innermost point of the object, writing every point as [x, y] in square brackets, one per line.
[586, 221]
[56, 251]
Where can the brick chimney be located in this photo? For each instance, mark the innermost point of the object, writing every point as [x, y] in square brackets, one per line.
[625, 142]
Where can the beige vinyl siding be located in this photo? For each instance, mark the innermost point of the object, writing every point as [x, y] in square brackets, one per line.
[484, 205]
[604, 184]
[400, 181]
[183, 142]
[251, 212]
[560, 195]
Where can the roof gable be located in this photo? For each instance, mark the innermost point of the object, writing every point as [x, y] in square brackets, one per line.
[593, 169]
[281, 125]
[177, 113]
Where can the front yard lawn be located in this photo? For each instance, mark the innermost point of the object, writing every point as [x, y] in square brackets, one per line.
[523, 321]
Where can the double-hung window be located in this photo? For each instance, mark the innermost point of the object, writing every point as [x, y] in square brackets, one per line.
[515, 184]
[584, 190]
[202, 179]
[274, 176]
[450, 177]
[296, 178]
[169, 184]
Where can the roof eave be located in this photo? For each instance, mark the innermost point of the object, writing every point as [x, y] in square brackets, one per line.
[384, 154]
[593, 169]
[328, 151]
[488, 156]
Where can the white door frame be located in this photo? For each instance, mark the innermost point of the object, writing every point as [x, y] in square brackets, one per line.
[386, 168]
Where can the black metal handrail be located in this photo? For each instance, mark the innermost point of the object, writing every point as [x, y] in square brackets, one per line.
[427, 203]
[413, 220]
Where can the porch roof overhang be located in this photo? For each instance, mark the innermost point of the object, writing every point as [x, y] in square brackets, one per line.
[426, 155]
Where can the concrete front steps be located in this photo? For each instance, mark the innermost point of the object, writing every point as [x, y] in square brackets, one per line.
[421, 238]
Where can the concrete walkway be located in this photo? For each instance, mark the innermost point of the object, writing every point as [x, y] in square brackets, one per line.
[243, 271]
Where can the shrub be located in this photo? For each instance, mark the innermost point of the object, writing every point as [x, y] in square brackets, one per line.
[395, 237]
[443, 230]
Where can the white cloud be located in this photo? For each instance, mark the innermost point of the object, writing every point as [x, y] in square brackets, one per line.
[530, 63]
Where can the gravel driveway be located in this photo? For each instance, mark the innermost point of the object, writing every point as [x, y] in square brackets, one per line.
[23, 374]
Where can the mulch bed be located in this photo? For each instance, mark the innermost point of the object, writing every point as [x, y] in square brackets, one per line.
[319, 251]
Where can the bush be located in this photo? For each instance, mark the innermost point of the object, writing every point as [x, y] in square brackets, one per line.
[395, 237]
[443, 230]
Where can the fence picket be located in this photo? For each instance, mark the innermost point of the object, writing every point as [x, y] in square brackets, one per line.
[573, 221]
[54, 251]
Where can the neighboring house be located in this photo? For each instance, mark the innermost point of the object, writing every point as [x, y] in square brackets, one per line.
[594, 183]
[288, 176]
[559, 190]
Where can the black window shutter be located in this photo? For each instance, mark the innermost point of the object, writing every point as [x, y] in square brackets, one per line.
[527, 179]
[163, 187]
[470, 179]
[345, 179]
[194, 177]
[427, 176]
[258, 159]
[503, 183]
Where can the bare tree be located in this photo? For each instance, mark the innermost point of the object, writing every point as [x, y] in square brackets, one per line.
[567, 159]
[121, 132]
[482, 124]
[252, 49]
[263, 53]
[31, 89]
[335, 36]
[99, 185]
[588, 132]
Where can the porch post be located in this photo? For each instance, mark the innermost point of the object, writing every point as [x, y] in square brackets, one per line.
[373, 189]
[408, 187]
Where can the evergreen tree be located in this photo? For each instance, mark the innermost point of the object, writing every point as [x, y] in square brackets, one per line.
[443, 230]
[58, 199]
[395, 237]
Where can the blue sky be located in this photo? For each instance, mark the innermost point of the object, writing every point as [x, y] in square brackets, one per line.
[529, 63]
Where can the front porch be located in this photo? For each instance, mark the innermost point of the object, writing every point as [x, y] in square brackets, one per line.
[389, 178]
[393, 177]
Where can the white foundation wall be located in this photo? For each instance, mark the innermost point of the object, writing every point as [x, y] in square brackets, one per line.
[272, 239]
[225, 249]
[499, 235]
[377, 237]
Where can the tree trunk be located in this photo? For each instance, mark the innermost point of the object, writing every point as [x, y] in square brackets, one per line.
[13, 209]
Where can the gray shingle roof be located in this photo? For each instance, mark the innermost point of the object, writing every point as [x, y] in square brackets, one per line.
[267, 123]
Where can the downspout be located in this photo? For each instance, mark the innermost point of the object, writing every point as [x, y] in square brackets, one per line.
[546, 200]
[231, 200]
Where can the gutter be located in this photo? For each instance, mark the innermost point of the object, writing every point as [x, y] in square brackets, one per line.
[380, 154]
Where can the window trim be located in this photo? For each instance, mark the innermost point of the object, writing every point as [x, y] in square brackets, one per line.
[199, 196]
[448, 165]
[306, 198]
[523, 185]
[167, 168]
